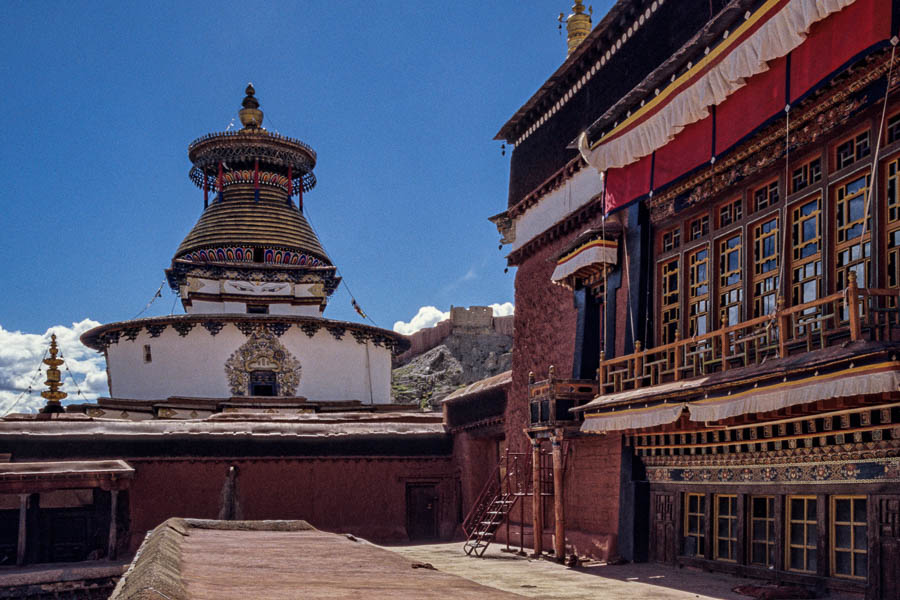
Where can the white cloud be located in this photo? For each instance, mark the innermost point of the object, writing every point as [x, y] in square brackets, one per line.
[20, 358]
[503, 310]
[429, 316]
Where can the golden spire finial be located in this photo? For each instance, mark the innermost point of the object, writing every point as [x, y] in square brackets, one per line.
[251, 116]
[578, 25]
[54, 381]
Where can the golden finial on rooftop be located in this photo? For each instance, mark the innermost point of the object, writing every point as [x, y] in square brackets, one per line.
[251, 116]
[54, 380]
[578, 24]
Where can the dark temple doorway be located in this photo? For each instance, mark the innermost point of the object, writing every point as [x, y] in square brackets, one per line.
[421, 511]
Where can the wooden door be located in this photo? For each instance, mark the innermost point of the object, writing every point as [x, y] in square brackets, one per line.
[884, 544]
[421, 511]
[662, 527]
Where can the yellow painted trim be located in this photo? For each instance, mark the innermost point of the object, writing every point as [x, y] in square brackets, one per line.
[704, 62]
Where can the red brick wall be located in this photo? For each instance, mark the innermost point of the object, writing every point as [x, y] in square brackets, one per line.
[366, 497]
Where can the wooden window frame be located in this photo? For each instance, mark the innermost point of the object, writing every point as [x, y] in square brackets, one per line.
[700, 535]
[733, 208]
[770, 542]
[724, 288]
[891, 241]
[892, 128]
[811, 176]
[807, 524]
[797, 260]
[702, 223]
[674, 234]
[860, 151]
[760, 277]
[730, 518]
[833, 523]
[665, 293]
[772, 188]
[696, 296]
[848, 244]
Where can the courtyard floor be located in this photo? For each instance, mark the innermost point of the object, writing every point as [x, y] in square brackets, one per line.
[546, 579]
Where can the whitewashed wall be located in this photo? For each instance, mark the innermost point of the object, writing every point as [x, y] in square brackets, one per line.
[194, 365]
[557, 205]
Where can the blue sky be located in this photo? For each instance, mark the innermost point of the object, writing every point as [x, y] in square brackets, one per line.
[400, 100]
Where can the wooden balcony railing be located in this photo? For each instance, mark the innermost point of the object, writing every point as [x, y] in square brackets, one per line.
[551, 400]
[853, 314]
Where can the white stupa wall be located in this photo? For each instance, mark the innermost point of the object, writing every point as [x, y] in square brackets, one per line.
[194, 365]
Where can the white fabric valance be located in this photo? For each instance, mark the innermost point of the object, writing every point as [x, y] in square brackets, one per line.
[597, 253]
[838, 385]
[633, 418]
[782, 32]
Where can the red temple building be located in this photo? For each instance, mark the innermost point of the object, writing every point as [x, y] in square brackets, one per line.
[704, 218]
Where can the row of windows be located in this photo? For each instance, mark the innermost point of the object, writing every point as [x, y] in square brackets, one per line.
[847, 541]
[717, 299]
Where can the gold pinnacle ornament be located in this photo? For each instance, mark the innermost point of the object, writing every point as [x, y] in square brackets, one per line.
[54, 380]
[578, 25]
[251, 116]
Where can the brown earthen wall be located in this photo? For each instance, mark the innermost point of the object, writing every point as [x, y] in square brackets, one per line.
[505, 325]
[425, 339]
[476, 461]
[544, 334]
[365, 497]
[592, 495]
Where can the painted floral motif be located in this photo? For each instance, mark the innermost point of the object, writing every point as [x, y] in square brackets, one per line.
[746, 474]
[726, 474]
[821, 472]
[262, 352]
[849, 471]
[770, 474]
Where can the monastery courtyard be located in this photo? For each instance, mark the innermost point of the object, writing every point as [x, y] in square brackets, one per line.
[545, 579]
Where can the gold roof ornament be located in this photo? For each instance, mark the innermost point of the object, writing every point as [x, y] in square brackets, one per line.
[251, 116]
[54, 381]
[578, 25]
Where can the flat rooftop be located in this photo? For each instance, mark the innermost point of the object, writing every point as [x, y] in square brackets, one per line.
[237, 560]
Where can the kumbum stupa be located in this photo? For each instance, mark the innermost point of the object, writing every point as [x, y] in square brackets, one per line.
[254, 280]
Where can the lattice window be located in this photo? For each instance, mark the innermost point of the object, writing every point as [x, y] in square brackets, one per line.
[851, 150]
[726, 527]
[762, 531]
[893, 222]
[849, 527]
[802, 534]
[765, 196]
[694, 543]
[893, 129]
[806, 174]
[806, 251]
[731, 289]
[731, 212]
[851, 254]
[765, 266]
[698, 292]
[670, 302]
[671, 239]
[699, 227]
